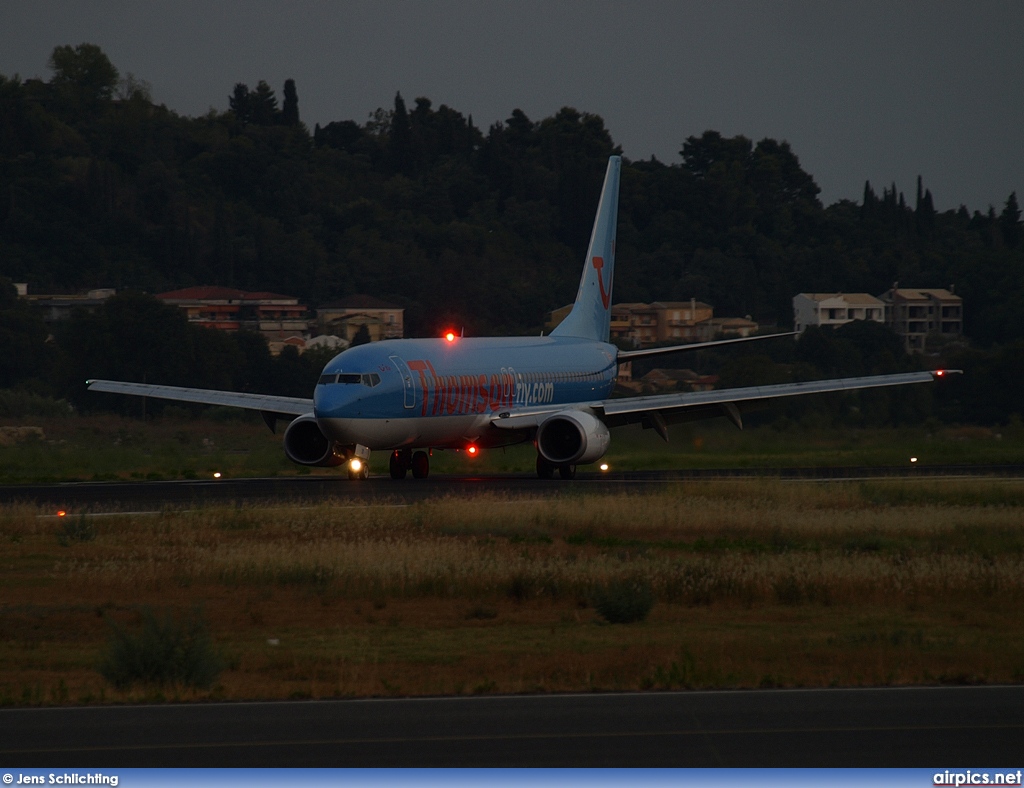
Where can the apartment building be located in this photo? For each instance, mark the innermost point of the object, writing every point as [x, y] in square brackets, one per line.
[916, 313]
[835, 309]
[683, 321]
[276, 316]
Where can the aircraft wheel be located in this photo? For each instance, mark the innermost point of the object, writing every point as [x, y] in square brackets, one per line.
[362, 473]
[545, 470]
[420, 465]
[399, 465]
[567, 471]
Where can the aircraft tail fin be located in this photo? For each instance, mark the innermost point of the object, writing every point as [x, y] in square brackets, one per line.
[590, 317]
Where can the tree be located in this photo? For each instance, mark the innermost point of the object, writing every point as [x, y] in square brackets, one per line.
[290, 110]
[869, 206]
[22, 337]
[130, 337]
[341, 134]
[83, 74]
[400, 138]
[131, 87]
[1009, 222]
[263, 104]
[362, 336]
[240, 103]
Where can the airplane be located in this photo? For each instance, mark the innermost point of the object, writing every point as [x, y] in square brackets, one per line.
[412, 396]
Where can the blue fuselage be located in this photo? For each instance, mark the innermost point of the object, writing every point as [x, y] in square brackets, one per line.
[440, 393]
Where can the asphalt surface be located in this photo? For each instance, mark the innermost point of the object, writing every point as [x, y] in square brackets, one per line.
[920, 727]
[381, 488]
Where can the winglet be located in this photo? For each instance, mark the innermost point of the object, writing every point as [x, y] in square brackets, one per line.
[590, 317]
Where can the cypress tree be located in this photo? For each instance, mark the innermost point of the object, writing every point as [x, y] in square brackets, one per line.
[290, 109]
[240, 102]
[400, 138]
[870, 203]
[1009, 221]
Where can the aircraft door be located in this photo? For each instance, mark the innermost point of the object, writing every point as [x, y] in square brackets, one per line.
[407, 382]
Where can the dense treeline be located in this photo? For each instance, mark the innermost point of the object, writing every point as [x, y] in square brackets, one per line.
[482, 228]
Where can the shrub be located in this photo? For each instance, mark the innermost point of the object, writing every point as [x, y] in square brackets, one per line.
[163, 651]
[15, 404]
[624, 601]
[75, 530]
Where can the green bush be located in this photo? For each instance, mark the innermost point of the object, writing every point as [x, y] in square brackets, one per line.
[163, 651]
[15, 403]
[77, 529]
[624, 601]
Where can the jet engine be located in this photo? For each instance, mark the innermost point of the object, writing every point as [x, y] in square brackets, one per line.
[306, 445]
[571, 437]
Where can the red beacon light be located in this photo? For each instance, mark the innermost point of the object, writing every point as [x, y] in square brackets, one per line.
[939, 373]
[450, 336]
[472, 451]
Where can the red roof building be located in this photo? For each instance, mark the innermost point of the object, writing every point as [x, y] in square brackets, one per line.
[273, 315]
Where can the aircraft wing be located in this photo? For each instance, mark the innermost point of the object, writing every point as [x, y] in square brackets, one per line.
[266, 403]
[626, 355]
[659, 410]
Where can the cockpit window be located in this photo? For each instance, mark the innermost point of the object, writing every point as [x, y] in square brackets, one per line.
[367, 379]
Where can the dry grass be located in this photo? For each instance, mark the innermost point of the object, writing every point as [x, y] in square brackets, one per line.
[756, 583]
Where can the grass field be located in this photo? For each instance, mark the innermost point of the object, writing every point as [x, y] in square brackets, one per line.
[109, 447]
[756, 583]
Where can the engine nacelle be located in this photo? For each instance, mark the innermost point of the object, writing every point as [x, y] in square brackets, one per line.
[572, 437]
[306, 445]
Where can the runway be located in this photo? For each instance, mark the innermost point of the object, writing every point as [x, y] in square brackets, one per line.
[919, 727]
[382, 488]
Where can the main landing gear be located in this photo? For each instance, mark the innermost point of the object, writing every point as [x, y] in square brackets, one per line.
[546, 470]
[399, 463]
[404, 460]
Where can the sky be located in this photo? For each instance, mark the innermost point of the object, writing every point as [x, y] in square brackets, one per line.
[862, 90]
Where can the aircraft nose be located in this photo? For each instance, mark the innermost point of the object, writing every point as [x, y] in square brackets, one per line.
[336, 400]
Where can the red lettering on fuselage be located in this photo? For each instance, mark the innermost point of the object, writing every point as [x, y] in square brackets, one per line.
[466, 394]
[481, 394]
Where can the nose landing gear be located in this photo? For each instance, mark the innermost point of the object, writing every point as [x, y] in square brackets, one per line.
[358, 469]
[358, 463]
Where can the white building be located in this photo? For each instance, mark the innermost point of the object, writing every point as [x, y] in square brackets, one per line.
[835, 309]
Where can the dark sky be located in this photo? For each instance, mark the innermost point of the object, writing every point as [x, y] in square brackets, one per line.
[865, 90]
